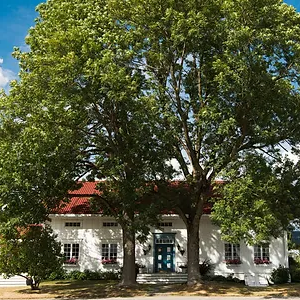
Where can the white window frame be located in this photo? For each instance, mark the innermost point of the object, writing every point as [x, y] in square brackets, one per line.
[71, 224]
[109, 251]
[262, 252]
[232, 251]
[165, 224]
[71, 251]
[108, 224]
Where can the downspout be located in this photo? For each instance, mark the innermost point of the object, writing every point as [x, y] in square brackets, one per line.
[285, 250]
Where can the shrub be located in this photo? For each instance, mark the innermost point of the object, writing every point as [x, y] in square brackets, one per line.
[205, 267]
[280, 275]
[92, 275]
[295, 275]
[110, 275]
[76, 275]
[60, 274]
[85, 275]
[221, 278]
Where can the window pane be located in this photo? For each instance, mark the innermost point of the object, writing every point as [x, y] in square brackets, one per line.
[105, 251]
[113, 251]
[228, 251]
[257, 251]
[265, 252]
[67, 251]
[75, 251]
[236, 251]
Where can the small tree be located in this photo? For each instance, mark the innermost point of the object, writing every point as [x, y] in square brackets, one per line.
[30, 252]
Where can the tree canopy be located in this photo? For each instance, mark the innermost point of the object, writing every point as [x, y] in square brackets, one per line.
[31, 252]
[114, 89]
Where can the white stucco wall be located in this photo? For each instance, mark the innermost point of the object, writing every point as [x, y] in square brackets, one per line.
[91, 235]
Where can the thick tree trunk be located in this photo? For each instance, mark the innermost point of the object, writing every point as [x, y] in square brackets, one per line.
[129, 272]
[193, 251]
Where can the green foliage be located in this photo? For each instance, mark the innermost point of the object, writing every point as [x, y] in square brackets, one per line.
[85, 275]
[205, 267]
[221, 278]
[294, 266]
[58, 274]
[116, 89]
[30, 250]
[249, 206]
[280, 275]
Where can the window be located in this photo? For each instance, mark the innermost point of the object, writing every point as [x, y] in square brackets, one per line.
[110, 224]
[165, 224]
[71, 253]
[164, 240]
[109, 253]
[232, 253]
[261, 254]
[72, 224]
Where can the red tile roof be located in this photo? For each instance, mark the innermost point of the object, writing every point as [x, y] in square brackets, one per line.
[79, 200]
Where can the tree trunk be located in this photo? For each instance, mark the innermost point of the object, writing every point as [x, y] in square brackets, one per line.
[129, 272]
[193, 251]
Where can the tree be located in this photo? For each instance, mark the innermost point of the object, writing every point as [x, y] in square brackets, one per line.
[259, 199]
[31, 252]
[80, 110]
[218, 79]
[225, 75]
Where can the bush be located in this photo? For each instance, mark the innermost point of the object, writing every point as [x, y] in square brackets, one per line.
[60, 274]
[295, 275]
[76, 275]
[280, 275]
[294, 269]
[111, 275]
[205, 267]
[92, 275]
[85, 275]
[221, 278]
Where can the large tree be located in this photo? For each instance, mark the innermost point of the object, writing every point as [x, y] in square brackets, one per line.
[80, 111]
[217, 78]
[225, 75]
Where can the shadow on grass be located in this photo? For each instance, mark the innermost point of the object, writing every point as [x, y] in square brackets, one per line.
[106, 289]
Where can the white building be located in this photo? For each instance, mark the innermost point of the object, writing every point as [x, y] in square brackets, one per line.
[94, 241]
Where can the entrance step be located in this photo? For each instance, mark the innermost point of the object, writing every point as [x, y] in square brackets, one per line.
[12, 281]
[161, 278]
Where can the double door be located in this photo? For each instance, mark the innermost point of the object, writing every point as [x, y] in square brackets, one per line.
[164, 258]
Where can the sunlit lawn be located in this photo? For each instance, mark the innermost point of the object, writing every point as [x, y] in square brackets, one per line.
[104, 289]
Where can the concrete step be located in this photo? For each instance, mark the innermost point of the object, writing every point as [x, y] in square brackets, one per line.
[159, 278]
[12, 281]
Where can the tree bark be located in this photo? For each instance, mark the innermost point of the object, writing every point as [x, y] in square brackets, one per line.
[129, 272]
[193, 251]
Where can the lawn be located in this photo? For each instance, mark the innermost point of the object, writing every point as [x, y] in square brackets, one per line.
[104, 289]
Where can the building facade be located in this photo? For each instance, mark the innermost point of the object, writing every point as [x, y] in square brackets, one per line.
[94, 242]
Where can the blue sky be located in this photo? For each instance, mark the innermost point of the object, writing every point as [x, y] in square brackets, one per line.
[16, 17]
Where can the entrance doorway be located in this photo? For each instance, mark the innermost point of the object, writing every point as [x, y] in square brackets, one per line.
[164, 252]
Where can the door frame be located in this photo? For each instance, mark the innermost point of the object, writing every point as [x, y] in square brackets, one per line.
[163, 239]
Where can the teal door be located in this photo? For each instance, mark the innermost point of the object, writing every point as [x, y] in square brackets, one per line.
[164, 254]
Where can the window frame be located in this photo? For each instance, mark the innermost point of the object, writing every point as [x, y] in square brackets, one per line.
[109, 253]
[71, 252]
[261, 254]
[232, 253]
[71, 224]
[165, 224]
[110, 224]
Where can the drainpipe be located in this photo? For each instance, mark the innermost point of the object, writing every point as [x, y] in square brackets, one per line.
[285, 250]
